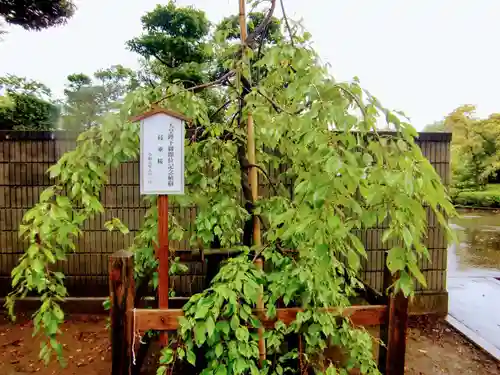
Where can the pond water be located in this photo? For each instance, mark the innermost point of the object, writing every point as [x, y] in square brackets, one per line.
[477, 252]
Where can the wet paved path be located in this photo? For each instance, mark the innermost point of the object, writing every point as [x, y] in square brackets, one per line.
[474, 308]
[473, 285]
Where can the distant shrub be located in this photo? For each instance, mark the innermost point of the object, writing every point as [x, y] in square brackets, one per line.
[486, 198]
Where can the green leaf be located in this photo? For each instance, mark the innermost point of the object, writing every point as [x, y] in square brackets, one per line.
[223, 326]
[386, 235]
[240, 365]
[417, 273]
[405, 283]
[49, 255]
[191, 357]
[58, 313]
[75, 189]
[219, 349]
[250, 292]
[167, 356]
[235, 322]
[63, 201]
[44, 354]
[200, 333]
[201, 311]
[210, 326]
[353, 259]
[242, 333]
[46, 194]
[367, 159]
[181, 353]
[37, 265]
[55, 170]
[221, 370]
[360, 248]
[407, 237]
[396, 259]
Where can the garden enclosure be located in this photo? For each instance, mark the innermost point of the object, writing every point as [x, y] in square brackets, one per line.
[25, 157]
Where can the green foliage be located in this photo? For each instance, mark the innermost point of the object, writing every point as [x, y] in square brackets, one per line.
[490, 197]
[339, 177]
[87, 99]
[219, 322]
[177, 38]
[28, 112]
[36, 14]
[230, 27]
[475, 147]
[23, 85]
[26, 105]
[437, 126]
[54, 223]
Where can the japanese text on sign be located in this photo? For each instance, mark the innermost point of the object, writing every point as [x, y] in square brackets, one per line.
[162, 155]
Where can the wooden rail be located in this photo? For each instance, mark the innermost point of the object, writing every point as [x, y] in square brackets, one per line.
[168, 320]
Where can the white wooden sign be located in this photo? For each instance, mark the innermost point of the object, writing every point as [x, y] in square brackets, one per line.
[162, 153]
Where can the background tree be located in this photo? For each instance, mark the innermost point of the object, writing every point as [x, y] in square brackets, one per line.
[174, 42]
[36, 14]
[86, 98]
[436, 126]
[26, 105]
[177, 47]
[475, 147]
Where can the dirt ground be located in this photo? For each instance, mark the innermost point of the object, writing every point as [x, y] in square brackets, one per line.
[433, 348]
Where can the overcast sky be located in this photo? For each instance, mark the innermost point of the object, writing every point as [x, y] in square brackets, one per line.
[425, 57]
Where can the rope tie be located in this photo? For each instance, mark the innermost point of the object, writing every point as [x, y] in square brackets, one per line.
[135, 334]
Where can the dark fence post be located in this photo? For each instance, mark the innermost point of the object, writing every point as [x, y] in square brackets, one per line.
[396, 344]
[122, 292]
[384, 328]
[391, 357]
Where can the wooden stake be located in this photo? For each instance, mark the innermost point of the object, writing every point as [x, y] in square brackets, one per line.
[163, 258]
[122, 293]
[254, 184]
[396, 344]
[391, 357]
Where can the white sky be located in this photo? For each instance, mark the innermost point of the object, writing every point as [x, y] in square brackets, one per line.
[425, 57]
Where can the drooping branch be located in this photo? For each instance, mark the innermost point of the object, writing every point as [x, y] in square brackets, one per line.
[260, 30]
[221, 108]
[163, 61]
[264, 172]
[287, 23]
[225, 77]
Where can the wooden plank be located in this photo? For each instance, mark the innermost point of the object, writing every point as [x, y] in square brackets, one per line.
[122, 294]
[168, 320]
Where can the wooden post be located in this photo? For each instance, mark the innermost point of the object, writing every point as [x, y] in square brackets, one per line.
[396, 344]
[122, 293]
[163, 258]
[384, 327]
[254, 183]
[391, 359]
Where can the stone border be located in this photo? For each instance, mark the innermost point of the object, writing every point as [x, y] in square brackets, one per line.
[474, 338]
